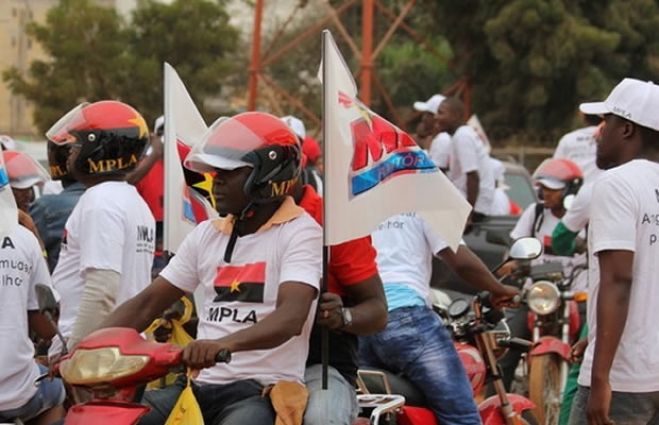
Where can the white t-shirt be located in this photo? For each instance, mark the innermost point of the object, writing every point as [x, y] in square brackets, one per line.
[286, 252]
[580, 146]
[405, 244]
[625, 217]
[500, 203]
[440, 150]
[469, 154]
[524, 228]
[576, 218]
[110, 228]
[22, 266]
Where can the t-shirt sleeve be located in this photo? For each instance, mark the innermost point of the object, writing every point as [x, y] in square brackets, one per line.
[435, 242]
[182, 271]
[576, 218]
[102, 240]
[39, 273]
[465, 148]
[353, 261]
[613, 217]
[524, 226]
[302, 258]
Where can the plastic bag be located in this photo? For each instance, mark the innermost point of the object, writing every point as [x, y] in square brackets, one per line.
[186, 411]
[178, 337]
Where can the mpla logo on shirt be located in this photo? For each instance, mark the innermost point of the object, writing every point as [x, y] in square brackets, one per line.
[381, 150]
[240, 283]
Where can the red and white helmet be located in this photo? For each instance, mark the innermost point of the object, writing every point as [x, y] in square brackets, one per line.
[559, 173]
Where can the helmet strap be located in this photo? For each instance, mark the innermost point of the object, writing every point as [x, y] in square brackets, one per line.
[246, 213]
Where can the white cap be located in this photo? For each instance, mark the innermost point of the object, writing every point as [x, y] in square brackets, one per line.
[431, 105]
[631, 99]
[549, 183]
[160, 121]
[296, 125]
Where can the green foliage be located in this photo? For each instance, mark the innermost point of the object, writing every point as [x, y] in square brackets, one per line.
[95, 55]
[532, 62]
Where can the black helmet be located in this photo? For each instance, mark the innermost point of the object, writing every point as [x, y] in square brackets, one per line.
[112, 137]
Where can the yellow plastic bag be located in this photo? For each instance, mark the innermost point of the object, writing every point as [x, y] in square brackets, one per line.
[178, 337]
[186, 411]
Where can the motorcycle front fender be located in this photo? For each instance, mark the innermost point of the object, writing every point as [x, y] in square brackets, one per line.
[551, 345]
[490, 408]
[105, 413]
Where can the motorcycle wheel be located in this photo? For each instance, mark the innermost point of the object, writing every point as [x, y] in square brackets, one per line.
[545, 388]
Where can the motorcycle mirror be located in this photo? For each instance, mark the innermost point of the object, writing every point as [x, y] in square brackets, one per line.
[45, 298]
[568, 201]
[527, 248]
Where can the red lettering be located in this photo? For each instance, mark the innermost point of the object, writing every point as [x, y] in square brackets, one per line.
[365, 143]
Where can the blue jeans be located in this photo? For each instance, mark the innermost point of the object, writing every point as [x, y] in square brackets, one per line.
[337, 405]
[237, 403]
[625, 408]
[416, 343]
[50, 394]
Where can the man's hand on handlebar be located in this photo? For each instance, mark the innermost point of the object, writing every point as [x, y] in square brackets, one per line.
[505, 296]
[507, 269]
[203, 353]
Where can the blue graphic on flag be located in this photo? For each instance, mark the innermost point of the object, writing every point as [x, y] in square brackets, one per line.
[4, 177]
[188, 212]
[397, 163]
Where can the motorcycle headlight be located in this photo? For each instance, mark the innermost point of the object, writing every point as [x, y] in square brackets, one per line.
[100, 365]
[543, 297]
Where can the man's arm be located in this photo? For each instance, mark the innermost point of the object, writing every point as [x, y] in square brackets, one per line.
[612, 307]
[294, 300]
[473, 182]
[142, 309]
[369, 314]
[472, 270]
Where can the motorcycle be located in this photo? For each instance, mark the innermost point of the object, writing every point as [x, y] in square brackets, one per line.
[554, 322]
[109, 366]
[481, 336]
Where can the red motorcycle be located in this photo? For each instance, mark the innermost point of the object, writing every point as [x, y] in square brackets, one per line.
[554, 322]
[111, 364]
[482, 337]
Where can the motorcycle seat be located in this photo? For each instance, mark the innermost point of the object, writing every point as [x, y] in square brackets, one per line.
[372, 379]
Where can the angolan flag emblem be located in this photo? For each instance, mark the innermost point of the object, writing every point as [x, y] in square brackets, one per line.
[240, 283]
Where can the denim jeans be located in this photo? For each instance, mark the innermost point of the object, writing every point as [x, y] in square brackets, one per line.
[237, 403]
[337, 405]
[625, 408]
[416, 343]
[50, 394]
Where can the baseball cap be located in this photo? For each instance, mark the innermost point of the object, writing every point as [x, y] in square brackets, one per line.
[549, 183]
[296, 125]
[431, 105]
[633, 100]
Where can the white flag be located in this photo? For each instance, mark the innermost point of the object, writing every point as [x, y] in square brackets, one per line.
[8, 208]
[373, 170]
[184, 124]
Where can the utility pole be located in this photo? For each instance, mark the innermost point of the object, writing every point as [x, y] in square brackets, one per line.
[255, 65]
[366, 71]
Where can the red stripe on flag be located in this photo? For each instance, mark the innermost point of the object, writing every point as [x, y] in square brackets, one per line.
[252, 273]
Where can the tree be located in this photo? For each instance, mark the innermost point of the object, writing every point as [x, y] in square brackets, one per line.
[531, 62]
[87, 47]
[94, 54]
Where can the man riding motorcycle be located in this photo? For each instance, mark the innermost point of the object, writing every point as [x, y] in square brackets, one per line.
[260, 268]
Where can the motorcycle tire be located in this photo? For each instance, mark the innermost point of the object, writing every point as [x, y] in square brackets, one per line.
[545, 387]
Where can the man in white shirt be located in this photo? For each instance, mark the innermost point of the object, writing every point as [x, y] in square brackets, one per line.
[22, 267]
[580, 146]
[259, 267]
[415, 342]
[426, 131]
[107, 249]
[619, 378]
[469, 168]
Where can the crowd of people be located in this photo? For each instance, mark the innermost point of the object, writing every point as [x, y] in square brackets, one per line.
[96, 241]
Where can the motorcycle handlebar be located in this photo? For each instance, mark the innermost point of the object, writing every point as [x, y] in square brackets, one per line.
[223, 356]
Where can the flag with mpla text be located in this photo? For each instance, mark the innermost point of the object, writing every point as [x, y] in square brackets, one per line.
[374, 170]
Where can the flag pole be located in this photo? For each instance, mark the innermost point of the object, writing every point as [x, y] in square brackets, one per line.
[324, 332]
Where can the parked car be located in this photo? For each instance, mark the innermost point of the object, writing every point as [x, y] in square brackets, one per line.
[522, 192]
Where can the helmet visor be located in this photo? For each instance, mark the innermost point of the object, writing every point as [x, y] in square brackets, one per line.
[23, 170]
[224, 146]
[60, 132]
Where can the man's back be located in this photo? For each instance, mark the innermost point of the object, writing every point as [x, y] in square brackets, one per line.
[111, 228]
[468, 155]
[580, 146]
[625, 216]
